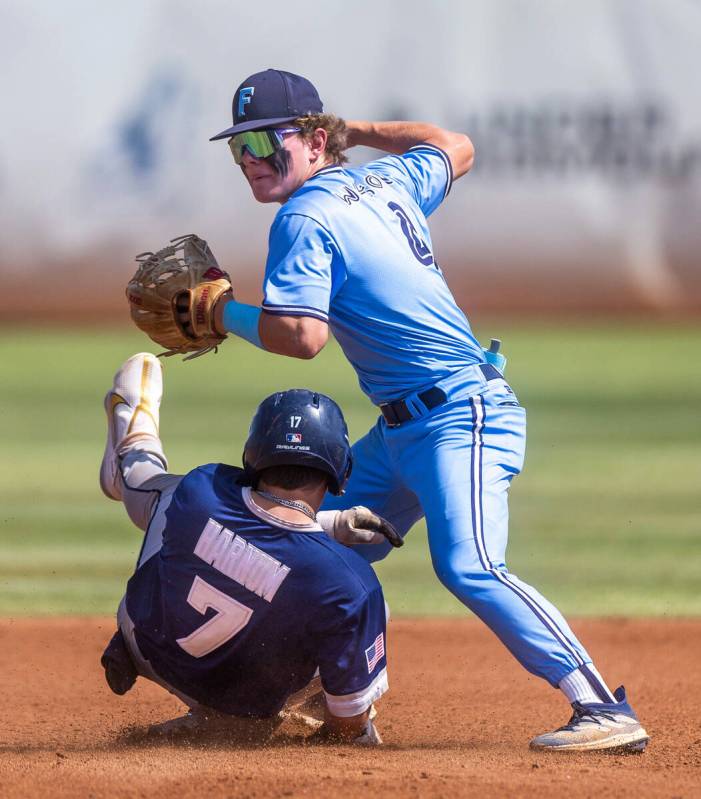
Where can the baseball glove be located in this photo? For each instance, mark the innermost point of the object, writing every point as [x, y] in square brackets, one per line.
[173, 294]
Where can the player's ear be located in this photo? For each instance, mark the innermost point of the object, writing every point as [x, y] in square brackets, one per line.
[317, 144]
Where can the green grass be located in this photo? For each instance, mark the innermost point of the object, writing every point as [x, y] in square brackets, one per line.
[604, 520]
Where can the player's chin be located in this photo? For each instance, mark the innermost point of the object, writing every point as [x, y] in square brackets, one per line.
[265, 190]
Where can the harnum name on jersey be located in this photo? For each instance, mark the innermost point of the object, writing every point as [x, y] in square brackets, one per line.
[241, 561]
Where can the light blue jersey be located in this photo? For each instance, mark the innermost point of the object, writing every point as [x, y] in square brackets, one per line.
[352, 247]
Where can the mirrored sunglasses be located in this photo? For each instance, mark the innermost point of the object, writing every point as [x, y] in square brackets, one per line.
[260, 143]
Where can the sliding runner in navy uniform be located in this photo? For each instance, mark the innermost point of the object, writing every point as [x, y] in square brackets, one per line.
[239, 595]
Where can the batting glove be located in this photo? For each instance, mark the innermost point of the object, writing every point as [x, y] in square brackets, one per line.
[358, 525]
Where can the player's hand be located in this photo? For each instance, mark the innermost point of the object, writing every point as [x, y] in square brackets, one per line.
[359, 525]
[366, 735]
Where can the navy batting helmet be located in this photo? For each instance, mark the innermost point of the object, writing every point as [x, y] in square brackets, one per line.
[299, 428]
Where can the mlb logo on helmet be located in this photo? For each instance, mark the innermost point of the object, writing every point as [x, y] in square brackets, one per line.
[294, 438]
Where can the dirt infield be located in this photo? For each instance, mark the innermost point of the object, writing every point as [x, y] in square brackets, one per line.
[456, 722]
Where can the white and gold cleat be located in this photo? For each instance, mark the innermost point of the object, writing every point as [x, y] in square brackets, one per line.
[132, 408]
[597, 727]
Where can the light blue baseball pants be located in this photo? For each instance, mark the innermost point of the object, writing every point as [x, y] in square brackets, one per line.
[454, 465]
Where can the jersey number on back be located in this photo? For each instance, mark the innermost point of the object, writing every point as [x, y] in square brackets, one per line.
[417, 245]
[231, 618]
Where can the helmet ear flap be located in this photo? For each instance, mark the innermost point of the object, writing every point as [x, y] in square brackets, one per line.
[340, 488]
[249, 477]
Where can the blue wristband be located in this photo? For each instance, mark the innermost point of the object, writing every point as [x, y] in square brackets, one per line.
[242, 320]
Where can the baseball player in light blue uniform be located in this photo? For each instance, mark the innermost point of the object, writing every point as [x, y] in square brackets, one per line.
[350, 249]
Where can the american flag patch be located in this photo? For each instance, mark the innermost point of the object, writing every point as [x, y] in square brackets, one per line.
[294, 438]
[375, 652]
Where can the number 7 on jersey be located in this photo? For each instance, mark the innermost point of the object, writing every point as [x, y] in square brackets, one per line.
[230, 619]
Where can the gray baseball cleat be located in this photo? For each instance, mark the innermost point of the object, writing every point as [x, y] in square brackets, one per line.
[132, 408]
[595, 727]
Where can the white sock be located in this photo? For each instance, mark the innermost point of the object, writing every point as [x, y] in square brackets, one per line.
[585, 685]
[139, 465]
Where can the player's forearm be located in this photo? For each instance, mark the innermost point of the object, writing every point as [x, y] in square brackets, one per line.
[398, 137]
[295, 336]
[231, 316]
[392, 137]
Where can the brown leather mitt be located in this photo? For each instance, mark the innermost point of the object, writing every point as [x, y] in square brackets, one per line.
[173, 294]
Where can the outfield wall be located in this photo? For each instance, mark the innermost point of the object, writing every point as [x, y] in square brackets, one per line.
[586, 192]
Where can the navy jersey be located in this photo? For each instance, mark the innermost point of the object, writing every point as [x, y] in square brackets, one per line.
[238, 611]
[352, 247]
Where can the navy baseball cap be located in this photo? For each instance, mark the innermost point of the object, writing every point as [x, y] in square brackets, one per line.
[270, 98]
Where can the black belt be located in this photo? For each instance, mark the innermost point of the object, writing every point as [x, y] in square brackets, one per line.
[398, 412]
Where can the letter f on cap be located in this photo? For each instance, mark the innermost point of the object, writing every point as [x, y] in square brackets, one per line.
[245, 98]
